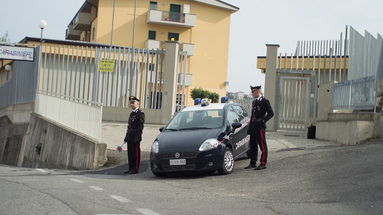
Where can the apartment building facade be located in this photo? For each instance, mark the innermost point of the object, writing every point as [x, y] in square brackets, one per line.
[202, 29]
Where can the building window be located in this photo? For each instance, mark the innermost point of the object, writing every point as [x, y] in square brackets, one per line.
[153, 5]
[173, 36]
[93, 33]
[175, 13]
[152, 35]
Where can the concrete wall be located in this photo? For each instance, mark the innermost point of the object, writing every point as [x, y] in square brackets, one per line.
[324, 103]
[122, 115]
[80, 117]
[18, 113]
[11, 136]
[49, 145]
[349, 128]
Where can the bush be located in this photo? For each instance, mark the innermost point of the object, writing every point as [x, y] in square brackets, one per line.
[201, 93]
[214, 97]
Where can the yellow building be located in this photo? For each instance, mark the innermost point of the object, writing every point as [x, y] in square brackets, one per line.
[201, 27]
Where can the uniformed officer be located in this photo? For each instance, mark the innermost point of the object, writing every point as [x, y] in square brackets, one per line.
[261, 113]
[133, 135]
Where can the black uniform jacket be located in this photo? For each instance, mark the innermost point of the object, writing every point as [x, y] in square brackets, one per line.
[261, 112]
[135, 126]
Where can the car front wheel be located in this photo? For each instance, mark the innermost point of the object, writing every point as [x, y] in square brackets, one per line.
[228, 163]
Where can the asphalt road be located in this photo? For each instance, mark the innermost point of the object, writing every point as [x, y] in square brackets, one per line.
[316, 180]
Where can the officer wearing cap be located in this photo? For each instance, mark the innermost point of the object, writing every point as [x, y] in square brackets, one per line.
[261, 113]
[133, 135]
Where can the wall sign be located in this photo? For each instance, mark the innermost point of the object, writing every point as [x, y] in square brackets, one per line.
[17, 53]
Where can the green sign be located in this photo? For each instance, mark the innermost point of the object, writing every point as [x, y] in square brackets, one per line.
[106, 66]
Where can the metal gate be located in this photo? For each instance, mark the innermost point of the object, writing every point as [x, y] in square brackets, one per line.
[73, 73]
[294, 102]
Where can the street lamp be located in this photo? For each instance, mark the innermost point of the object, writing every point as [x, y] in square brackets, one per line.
[42, 25]
[8, 68]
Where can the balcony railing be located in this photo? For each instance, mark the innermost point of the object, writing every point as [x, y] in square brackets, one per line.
[184, 47]
[72, 34]
[171, 18]
[82, 22]
[153, 44]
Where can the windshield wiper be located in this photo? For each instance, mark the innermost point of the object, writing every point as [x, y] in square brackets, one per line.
[171, 129]
[194, 128]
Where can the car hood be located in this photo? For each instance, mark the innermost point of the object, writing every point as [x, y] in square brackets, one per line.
[186, 141]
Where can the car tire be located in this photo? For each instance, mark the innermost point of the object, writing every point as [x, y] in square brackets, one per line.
[227, 165]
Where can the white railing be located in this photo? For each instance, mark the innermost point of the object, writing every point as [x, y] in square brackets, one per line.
[85, 119]
[354, 95]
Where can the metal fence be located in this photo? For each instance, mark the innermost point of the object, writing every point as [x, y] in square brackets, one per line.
[354, 94]
[246, 103]
[72, 72]
[365, 54]
[21, 88]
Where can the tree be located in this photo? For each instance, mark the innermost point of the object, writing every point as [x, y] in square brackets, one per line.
[214, 97]
[5, 38]
[201, 93]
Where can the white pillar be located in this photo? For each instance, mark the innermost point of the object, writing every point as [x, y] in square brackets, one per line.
[271, 82]
[169, 81]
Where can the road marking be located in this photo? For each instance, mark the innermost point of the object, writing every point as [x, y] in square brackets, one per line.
[287, 144]
[77, 181]
[42, 170]
[120, 198]
[96, 188]
[113, 214]
[147, 211]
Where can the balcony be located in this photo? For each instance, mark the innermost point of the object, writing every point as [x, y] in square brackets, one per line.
[72, 34]
[188, 48]
[187, 77]
[153, 44]
[184, 47]
[184, 20]
[82, 22]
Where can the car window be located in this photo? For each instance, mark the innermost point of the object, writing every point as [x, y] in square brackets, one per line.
[232, 116]
[242, 114]
[197, 119]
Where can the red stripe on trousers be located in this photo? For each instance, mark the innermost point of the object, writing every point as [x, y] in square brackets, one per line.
[263, 148]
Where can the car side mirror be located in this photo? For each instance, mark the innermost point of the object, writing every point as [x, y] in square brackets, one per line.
[162, 129]
[236, 125]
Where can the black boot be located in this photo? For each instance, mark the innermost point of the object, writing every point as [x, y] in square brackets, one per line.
[251, 166]
[260, 167]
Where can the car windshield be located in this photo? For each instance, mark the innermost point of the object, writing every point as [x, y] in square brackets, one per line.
[193, 120]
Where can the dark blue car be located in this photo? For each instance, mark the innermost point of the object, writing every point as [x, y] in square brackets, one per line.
[205, 137]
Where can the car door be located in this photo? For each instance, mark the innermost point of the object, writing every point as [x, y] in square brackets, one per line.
[243, 138]
[234, 137]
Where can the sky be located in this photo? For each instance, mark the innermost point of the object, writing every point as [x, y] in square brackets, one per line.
[258, 22]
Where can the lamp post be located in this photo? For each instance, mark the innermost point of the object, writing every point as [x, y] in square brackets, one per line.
[42, 25]
[113, 12]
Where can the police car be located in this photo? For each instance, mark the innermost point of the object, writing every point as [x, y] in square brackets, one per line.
[205, 137]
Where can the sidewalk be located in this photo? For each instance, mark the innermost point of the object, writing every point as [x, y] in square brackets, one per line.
[113, 135]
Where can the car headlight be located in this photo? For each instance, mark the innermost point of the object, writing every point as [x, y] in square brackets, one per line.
[209, 144]
[155, 147]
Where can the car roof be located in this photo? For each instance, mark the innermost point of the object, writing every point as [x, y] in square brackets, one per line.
[214, 106]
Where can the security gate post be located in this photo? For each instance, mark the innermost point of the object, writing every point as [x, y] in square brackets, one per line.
[169, 81]
[271, 82]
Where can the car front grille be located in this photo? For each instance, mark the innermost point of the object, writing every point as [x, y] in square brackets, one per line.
[183, 155]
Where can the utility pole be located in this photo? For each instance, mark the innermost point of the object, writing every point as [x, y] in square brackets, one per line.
[111, 33]
[134, 23]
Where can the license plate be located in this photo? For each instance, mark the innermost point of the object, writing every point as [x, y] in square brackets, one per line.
[177, 162]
